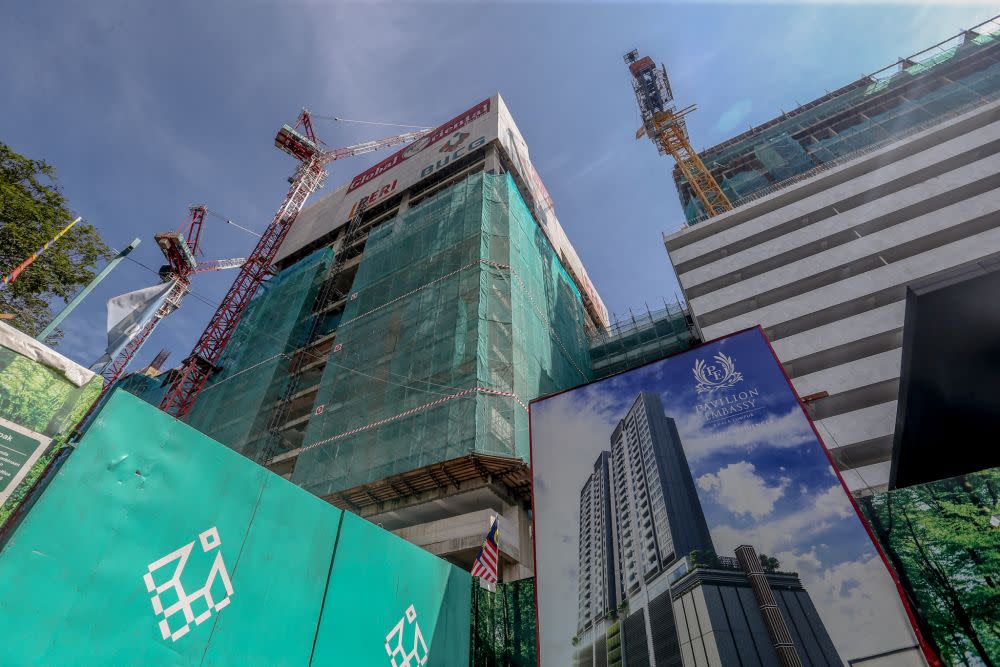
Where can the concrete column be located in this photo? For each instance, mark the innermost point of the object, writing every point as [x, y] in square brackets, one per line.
[492, 160]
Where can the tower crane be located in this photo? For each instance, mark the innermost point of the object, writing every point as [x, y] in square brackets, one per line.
[179, 248]
[308, 177]
[664, 124]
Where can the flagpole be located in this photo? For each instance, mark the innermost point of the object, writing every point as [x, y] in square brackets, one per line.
[57, 320]
[12, 276]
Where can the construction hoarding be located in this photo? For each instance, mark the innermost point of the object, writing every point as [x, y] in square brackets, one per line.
[678, 505]
[42, 397]
[943, 539]
[486, 122]
[155, 545]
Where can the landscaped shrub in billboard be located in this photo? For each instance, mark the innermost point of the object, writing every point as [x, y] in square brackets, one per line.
[42, 397]
[687, 514]
[943, 539]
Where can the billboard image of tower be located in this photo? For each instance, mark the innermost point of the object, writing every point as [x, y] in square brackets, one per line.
[690, 515]
[639, 516]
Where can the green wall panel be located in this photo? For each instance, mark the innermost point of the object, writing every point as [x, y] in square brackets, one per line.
[143, 490]
[376, 579]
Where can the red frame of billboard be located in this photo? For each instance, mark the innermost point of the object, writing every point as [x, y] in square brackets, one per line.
[932, 659]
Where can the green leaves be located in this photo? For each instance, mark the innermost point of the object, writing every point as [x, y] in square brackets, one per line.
[939, 536]
[32, 211]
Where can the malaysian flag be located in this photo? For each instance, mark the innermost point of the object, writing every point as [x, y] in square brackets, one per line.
[488, 559]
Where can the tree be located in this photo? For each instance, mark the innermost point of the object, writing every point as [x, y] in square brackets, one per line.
[32, 211]
[769, 563]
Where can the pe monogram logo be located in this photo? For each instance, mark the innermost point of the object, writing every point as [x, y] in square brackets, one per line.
[178, 607]
[395, 642]
[719, 375]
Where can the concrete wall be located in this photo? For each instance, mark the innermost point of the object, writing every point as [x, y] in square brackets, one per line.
[824, 265]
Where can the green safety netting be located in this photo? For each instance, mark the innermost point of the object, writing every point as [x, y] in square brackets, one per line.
[920, 94]
[639, 339]
[460, 313]
[236, 405]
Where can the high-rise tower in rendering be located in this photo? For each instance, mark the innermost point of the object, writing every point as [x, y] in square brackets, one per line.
[651, 589]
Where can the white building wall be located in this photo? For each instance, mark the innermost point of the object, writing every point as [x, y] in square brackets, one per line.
[823, 266]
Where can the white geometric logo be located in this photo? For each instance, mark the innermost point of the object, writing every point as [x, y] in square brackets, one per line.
[196, 606]
[720, 375]
[417, 657]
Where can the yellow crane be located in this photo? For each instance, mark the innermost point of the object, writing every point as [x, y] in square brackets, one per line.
[664, 124]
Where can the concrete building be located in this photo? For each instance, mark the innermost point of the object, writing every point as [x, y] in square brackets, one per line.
[731, 612]
[651, 589]
[598, 593]
[848, 201]
[397, 386]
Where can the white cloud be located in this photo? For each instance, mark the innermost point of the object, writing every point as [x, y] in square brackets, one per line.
[786, 431]
[739, 489]
[734, 116]
[856, 599]
[790, 530]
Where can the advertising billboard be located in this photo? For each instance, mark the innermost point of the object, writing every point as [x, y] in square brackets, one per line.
[155, 545]
[42, 397]
[485, 122]
[687, 514]
[943, 539]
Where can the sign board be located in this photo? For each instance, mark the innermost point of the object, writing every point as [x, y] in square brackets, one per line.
[19, 449]
[42, 397]
[678, 504]
[487, 121]
[155, 545]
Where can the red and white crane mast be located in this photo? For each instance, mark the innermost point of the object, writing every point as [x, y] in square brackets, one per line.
[309, 175]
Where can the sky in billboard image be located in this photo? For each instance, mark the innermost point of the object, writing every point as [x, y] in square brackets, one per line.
[750, 465]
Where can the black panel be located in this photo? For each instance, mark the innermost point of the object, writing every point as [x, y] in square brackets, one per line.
[635, 645]
[601, 652]
[584, 657]
[666, 647]
[949, 405]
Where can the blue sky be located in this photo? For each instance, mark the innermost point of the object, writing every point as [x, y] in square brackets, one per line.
[762, 479]
[144, 108]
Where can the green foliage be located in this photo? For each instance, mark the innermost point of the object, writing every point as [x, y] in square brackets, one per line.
[706, 558]
[769, 563]
[40, 398]
[504, 626]
[939, 540]
[32, 211]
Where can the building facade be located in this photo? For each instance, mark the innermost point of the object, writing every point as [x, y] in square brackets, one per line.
[822, 254]
[651, 589]
[598, 592]
[396, 385]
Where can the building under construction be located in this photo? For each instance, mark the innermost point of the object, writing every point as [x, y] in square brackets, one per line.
[405, 400]
[845, 210]
[901, 98]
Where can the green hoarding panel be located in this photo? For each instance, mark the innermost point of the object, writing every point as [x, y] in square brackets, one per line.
[156, 545]
[391, 603]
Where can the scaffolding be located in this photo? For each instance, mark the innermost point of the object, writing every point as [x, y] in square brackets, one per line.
[639, 339]
[239, 398]
[950, 78]
[459, 315]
